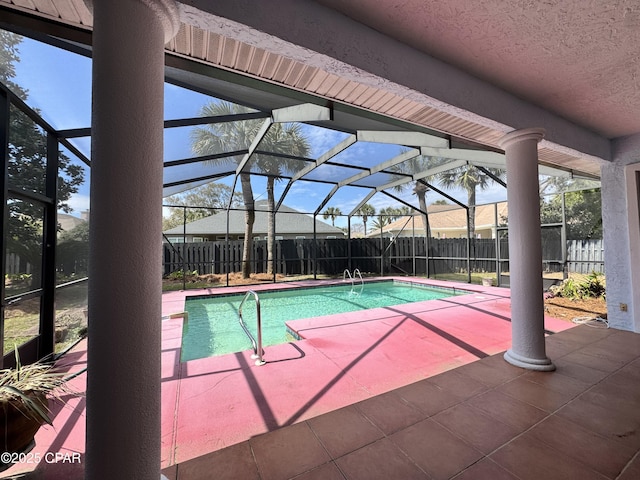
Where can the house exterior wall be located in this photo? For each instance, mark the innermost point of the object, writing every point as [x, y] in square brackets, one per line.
[621, 224]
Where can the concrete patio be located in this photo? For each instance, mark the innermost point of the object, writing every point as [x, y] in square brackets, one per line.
[417, 391]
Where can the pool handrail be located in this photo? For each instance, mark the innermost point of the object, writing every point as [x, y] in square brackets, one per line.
[346, 274]
[357, 271]
[353, 279]
[258, 352]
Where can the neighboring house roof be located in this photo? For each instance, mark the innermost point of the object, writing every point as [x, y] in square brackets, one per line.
[446, 217]
[286, 223]
[68, 222]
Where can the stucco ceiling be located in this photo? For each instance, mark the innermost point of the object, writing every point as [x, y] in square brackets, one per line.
[577, 58]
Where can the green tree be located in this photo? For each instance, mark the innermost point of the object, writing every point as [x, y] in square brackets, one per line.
[380, 222]
[388, 215]
[471, 179]
[583, 213]
[412, 166]
[9, 56]
[365, 211]
[205, 200]
[72, 254]
[79, 233]
[282, 138]
[394, 213]
[232, 136]
[333, 213]
[27, 158]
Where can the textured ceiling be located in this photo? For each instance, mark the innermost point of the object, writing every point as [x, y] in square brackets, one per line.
[577, 58]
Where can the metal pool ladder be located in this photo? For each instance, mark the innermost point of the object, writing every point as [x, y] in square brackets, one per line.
[347, 273]
[257, 346]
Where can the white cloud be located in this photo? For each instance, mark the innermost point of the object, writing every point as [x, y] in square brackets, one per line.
[78, 203]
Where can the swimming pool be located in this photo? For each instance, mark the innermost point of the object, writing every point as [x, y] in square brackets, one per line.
[213, 327]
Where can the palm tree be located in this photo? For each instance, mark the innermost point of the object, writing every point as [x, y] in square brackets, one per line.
[282, 138]
[392, 213]
[380, 222]
[367, 210]
[231, 136]
[470, 179]
[412, 166]
[388, 215]
[333, 212]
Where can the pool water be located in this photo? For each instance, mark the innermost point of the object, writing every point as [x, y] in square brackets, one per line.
[213, 327]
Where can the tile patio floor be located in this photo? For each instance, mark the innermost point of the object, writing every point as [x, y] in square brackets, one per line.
[396, 393]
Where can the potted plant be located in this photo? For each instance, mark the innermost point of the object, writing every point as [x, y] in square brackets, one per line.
[24, 398]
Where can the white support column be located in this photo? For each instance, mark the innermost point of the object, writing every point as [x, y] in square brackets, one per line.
[525, 251]
[123, 391]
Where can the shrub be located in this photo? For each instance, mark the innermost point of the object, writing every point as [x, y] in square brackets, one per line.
[592, 287]
[180, 274]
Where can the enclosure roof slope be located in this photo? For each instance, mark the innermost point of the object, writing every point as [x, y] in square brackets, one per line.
[495, 65]
[288, 221]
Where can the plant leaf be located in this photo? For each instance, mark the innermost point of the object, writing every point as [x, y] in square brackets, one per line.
[30, 403]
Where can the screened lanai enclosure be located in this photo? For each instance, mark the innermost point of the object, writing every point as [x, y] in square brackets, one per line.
[261, 183]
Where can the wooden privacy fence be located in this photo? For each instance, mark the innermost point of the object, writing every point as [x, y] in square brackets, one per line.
[331, 256]
[374, 255]
[14, 265]
[585, 256]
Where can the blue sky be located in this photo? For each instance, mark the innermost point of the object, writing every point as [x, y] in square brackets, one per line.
[59, 85]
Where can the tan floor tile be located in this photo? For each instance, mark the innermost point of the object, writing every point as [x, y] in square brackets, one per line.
[577, 370]
[558, 346]
[589, 358]
[228, 464]
[530, 459]
[619, 393]
[328, 471]
[631, 471]
[609, 351]
[558, 382]
[535, 394]
[602, 420]
[623, 341]
[390, 412]
[381, 460]
[491, 371]
[428, 397]
[481, 431]
[508, 410]
[343, 431]
[170, 472]
[623, 383]
[485, 469]
[614, 399]
[632, 369]
[586, 334]
[622, 346]
[602, 454]
[460, 386]
[287, 452]
[435, 450]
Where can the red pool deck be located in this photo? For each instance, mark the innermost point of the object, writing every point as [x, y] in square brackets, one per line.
[213, 403]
